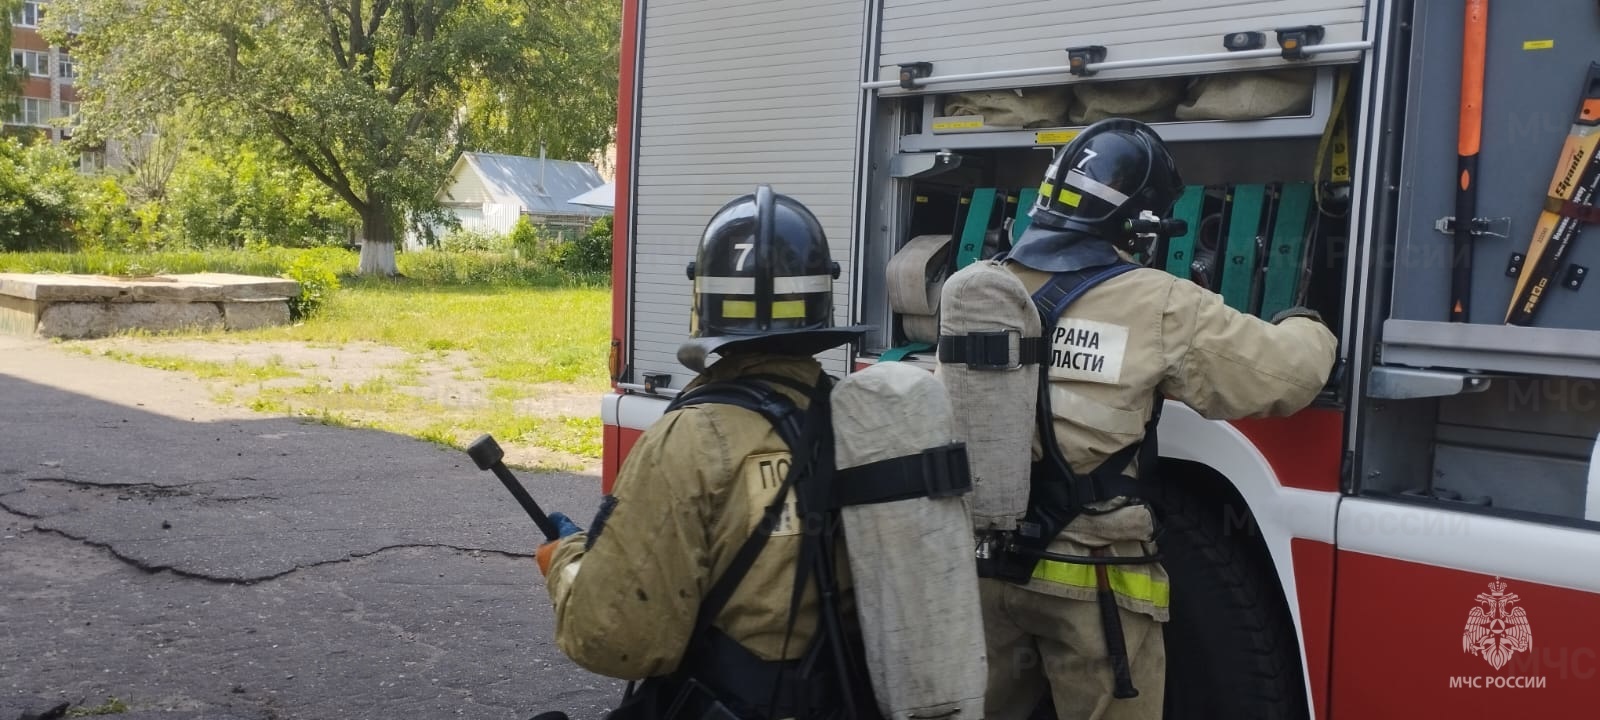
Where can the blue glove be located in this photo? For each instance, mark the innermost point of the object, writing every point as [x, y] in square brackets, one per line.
[564, 525]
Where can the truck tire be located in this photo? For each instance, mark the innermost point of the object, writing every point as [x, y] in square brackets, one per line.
[1232, 650]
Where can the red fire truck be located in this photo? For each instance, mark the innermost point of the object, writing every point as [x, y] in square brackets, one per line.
[1425, 540]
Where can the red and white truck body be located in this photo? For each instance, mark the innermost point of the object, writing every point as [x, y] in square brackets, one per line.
[1445, 477]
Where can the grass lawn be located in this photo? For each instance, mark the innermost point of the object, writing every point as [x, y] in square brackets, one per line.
[523, 342]
[517, 334]
[444, 359]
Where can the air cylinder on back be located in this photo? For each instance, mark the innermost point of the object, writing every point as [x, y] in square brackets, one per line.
[989, 333]
[900, 482]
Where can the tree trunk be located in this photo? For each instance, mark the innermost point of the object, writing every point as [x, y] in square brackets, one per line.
[378, 238]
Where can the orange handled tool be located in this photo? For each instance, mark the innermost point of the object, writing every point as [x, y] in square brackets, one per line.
[1474, 48]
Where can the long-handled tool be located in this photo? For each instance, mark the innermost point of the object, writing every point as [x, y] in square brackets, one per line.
[1475, 41]
[1111, 624]
[1569, 204]
[486, 453]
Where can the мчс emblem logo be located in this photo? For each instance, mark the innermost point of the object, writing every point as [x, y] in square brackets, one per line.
[1495, 630]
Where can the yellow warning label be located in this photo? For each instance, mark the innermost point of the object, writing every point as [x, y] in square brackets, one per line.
[1054, 137]
[976, 124]
[1538, 45]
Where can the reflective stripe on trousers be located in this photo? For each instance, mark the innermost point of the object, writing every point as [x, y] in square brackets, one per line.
[1124, 581]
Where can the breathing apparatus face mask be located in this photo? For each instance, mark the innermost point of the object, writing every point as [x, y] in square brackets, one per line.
[1145, 233]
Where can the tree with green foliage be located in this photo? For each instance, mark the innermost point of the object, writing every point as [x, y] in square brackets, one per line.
[242, 199]
[518, 119]
[372, 97]
[11, 76]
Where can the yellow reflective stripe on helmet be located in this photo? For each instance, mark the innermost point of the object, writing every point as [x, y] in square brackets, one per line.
[781, 310]
[1136, 585]
[788, 309]
[1067, 197]
[738, 309]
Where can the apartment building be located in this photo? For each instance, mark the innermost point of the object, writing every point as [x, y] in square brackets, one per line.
[48, 92]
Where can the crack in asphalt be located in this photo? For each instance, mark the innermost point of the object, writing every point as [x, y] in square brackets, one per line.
[116, 485]
[235, 498]
[15, 511]
[157, 490]
[154, 568]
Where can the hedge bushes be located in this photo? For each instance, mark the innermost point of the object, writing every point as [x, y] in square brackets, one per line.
[242, 200]
[581, 255]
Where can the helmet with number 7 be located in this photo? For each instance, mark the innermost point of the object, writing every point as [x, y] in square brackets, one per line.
[763, 282]
[1110, 175]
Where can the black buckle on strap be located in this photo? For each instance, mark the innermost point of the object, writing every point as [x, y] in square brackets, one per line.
[988, 350]
[945, 471]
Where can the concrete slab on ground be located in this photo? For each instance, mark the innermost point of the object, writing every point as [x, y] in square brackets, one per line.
[190, 287]
[85, 306]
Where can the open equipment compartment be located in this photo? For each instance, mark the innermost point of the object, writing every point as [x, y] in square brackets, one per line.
[1538, 56]
[1481, 415]
[1257, 235]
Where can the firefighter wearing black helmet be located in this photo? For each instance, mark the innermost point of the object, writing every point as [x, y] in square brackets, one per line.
[1089, 633]
[684, 579]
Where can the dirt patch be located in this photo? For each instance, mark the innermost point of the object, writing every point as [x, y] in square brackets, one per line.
[368, 383]
[353, 363]
[557, 399]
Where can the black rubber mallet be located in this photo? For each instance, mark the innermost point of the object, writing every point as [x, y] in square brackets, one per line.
[486, 453]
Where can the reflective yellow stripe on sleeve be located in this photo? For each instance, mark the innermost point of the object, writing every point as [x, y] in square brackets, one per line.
[1136, 585]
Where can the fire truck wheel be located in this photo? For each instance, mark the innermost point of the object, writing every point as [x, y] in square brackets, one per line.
[1232, 651]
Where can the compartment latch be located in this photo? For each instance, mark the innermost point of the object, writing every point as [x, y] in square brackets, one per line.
[910, 73]
[1080, 58]
[656, 381]
[1294, 40]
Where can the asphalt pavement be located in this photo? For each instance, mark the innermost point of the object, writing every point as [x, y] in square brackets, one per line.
[197, 561]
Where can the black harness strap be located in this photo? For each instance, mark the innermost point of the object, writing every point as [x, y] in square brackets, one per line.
[808, 435]
[1053, 299]
[936, 473]
[1046, 512]
[774, 406]
[794, 428]
[989, 350]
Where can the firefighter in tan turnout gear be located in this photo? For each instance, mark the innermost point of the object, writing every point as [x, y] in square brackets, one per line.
[1077, 610]
[685, 578]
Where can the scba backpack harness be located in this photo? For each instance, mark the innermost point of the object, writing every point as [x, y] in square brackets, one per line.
[1057, 494]
[718, 679]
